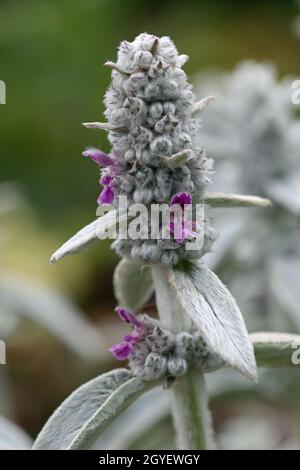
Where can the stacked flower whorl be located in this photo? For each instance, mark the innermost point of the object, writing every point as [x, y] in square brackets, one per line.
[150, 108]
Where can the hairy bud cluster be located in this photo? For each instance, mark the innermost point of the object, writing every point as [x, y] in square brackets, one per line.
[153, 352]
[162, 354]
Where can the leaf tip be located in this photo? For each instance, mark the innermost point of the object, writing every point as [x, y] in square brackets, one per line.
[53, 259]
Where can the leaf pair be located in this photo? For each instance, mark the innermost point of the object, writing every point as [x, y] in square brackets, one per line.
[97, 228]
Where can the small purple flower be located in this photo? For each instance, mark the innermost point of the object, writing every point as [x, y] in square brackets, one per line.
[99, 157]
[180, 225]
[133, 338]
[182, 229]
[128, 317]
[107, 195]
[123, 350]
[106, 179]
[181, 199]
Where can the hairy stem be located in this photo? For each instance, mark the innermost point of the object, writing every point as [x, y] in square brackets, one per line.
[191, 415]
[189, 399]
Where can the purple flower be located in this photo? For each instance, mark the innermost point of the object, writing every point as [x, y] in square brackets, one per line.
[182, 229]
[181, 199]
[123, 350]
[106, 179]
[106, 196]
[180, 224]
[128, 317]
[133, 338]
[99, 157]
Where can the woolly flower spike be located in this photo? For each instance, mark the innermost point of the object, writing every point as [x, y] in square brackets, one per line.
[155, 138]
[156, 149]
[154, 352]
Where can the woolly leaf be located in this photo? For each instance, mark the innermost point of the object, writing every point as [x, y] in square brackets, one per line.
[103, 126]
[276, 349]
[132, 284]
[139, 418]
[81, 418]
[86, 235]
[235, 200]
[178, 159]
[200, 295]
[202, 105]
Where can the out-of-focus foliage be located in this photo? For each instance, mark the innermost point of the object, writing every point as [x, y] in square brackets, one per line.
[296, 23]
[20, 298]
[253, 133]
[12, 437]
[37, 321]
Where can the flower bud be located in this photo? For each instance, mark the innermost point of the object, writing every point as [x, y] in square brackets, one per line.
[155, 366]
[176, 366]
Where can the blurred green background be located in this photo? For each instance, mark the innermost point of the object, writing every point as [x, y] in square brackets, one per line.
[52, 53]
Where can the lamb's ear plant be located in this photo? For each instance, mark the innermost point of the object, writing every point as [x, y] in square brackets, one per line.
[157, 158]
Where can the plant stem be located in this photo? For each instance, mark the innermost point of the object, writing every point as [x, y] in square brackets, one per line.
[190, 411]
[191, 415]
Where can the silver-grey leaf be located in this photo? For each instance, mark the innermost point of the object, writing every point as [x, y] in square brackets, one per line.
[81, 418]
[203, 298]
[133, 284]
[235, 200]
[85, 236]
[276, 349]
[178, 159]
[202, 105]
[146, 413]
